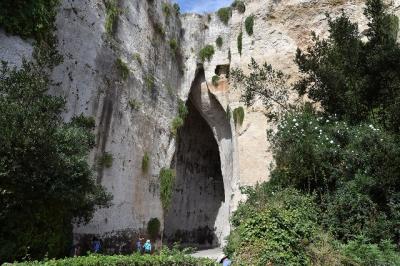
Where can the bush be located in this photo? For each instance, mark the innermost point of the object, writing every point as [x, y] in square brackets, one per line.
[239, 42]
[159, 29]
[206, 53]
[177, 123]
[112, 13]
[145, 162]
[239, 6]
[134, 104]
[167, 180]
[249, 23]
[224, 14]
[136, 56]
[177, 8]
[166, 8]
[153, 228]
[106, 160]
[173, 44]
[179, 120]
[238, 115]
[219, 42]
[215, 80]
[164, 258]
[149, 81]
[122, 68]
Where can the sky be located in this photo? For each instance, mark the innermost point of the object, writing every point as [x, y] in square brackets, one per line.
[202, 6]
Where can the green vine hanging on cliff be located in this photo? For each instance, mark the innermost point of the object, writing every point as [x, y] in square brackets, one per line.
[167, 181]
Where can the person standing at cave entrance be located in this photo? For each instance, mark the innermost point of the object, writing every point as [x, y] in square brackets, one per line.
[96, 245]
[139, 247]
[147, 247]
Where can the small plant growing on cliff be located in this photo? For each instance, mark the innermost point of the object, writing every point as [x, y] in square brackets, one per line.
[239, 42]
[136, 56]
[249, 23]
[177, 8]
[228, 113]
[87, 122]
[239, 6]
[176, 124]
[166, 9]
[206, 53]
[159, 29]
[224, 14]
[122, 68]
[145, 162]
[112, 13]
[167, 181]
[134, 104]
[238, 115]
[173, 44]
[215, 80]
[149, 81]
[153, 228]
[179, 120]
[106, 160]
[219, 42]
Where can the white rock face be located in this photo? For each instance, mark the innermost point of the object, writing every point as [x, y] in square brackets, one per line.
[92, 85]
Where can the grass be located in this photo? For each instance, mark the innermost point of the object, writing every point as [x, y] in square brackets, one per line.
[149, 81]
[122, 68]
[224, 14]
[106, 160]
[112, 13]
[145, 162]
[173, 44]
[207, 53]
[134, 104]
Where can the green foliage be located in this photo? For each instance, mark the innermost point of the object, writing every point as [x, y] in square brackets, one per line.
[219, 42]
[134, 104]
[215, 80]
[238, 116]
[179, 120]
[174, 45]
[159, 29]
[43, 167]
[166, 8]
[145, 162]
[167, 181]
[122, 68]
[274, 227]
[136, 56]
[149, 81]
[29, 18]
[239, 42]
[177, 8]
[106, 160]
[87, 122]
[165, 257]
[249, 23]
[112, 13]
[206, 53]
[239, 6]
[153, 228]
[224, 14]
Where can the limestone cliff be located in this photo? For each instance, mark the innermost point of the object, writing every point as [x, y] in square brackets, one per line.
[212, 156]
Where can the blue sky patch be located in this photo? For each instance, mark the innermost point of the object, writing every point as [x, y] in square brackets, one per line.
[202, 6]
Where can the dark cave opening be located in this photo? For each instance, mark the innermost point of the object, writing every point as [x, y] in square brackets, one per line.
[199, 188]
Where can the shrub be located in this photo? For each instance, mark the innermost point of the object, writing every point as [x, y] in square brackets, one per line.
[215, 80]
[136, 56]
[173, 44]
[167, 180]
[122, 68]
[219, 42]
[112, 13]
[224, 14]
[239, 6]
[182, 109]
[177, 123]
[153, 228]
[239, 42]
[177, 8]
[134, 104]
[238, 115]
[149, 81]
[179, 120]
[249, 23]
[87, 122]
[159, 29]
[166, 9]
[145, 162]
[106, 160]
[206, 53]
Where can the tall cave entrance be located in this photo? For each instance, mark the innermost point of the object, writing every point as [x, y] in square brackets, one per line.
[199, 187]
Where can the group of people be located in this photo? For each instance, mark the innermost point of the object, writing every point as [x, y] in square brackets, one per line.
[143, 248]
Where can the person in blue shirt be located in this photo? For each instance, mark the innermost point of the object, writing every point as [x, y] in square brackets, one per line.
[147, 247]
[225, 261]
[139, 247]
[96, 245]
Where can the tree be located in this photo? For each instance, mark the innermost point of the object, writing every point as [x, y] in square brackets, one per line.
[46, 183]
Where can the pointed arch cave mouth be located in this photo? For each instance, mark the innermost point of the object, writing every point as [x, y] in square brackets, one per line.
[199, 187]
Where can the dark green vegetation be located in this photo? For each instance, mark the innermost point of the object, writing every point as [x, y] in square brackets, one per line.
[46, 182]
[249, 23]
[123, 69]
[174, 45]
[165, 257]
[215, 80]
[238, 116]
[240, 42]
[206, 53]
[106, 160]
[334, 194]
[167, 180]
[224, 14]
[219, 42]
[112, 13]
[180, 119]
[239, 6]
[145, 162]
[153, 228]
